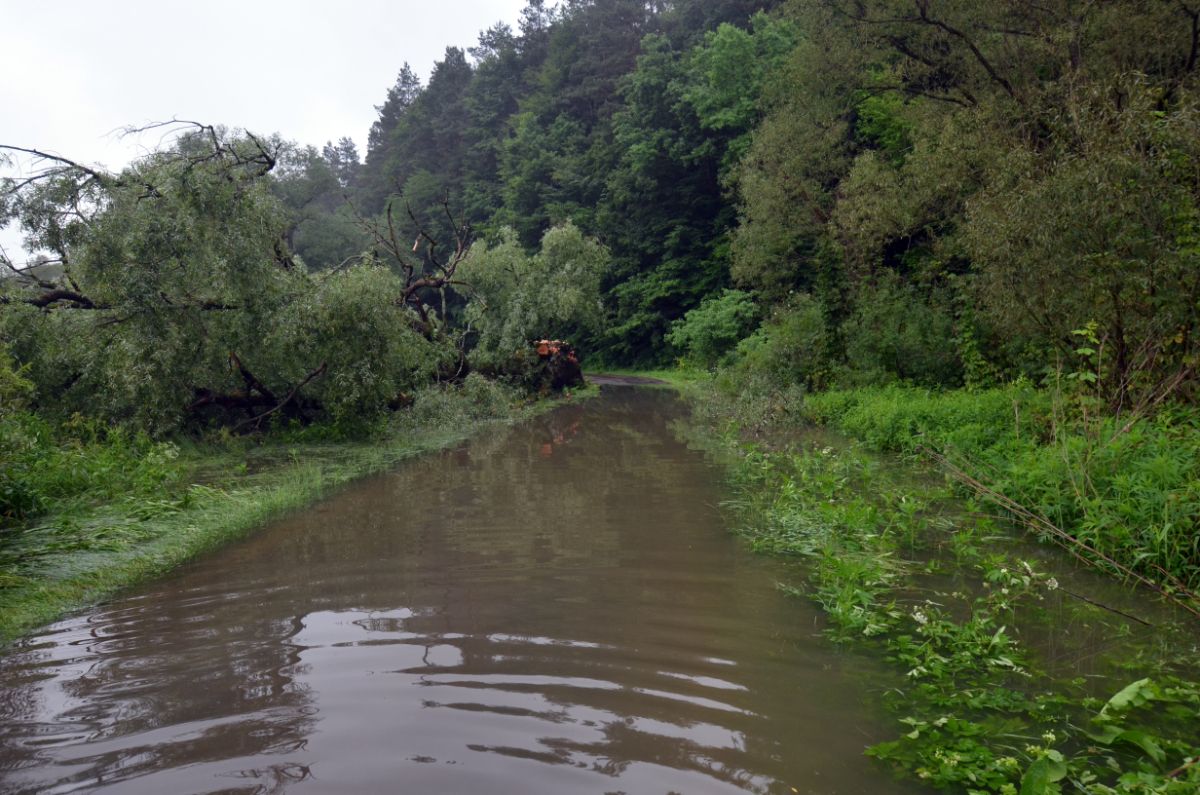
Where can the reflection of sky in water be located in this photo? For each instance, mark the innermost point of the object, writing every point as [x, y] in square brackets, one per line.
[546, 718]
[492, 619]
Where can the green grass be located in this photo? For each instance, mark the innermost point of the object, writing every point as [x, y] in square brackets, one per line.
[975, 710]
[98, 539]
[1128, 488]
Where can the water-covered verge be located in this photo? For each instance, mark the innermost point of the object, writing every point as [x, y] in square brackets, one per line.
[119, 509]
[553, 608]
[1021, 671]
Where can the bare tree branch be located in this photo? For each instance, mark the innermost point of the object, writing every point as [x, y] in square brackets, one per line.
[257, 420]
[923, 11]
[102, 177]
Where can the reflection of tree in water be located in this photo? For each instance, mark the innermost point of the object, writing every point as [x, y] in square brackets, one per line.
[623, 745]
[617, 744]
[537, 522]
[19, 698]
[22, 700]
[446, 509]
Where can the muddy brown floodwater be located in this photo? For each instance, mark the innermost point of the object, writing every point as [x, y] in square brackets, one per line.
[554, 609]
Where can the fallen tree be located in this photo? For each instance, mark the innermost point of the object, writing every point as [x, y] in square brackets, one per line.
[153, 289]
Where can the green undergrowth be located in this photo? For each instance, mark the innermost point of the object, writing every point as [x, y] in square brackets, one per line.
[903, 567]
[99, 510]
[978, 710]
[1127, 489]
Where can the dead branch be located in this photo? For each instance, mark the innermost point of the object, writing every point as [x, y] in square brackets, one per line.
[103, 177]
[252, 383]
[923, 13]
[264, 159]
[203, 397]
[70, 300]
[417, 276]
[1188, 764]
[257, 421]
[395, 245]
[1103, 606]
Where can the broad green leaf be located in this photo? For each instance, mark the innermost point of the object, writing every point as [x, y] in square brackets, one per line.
[1040, 777]
[1146, 742]
[1132, 695]
[1105, 735]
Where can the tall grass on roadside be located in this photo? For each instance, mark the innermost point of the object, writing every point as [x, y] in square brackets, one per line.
[45, 466]
[975, 710]
[1127, 488]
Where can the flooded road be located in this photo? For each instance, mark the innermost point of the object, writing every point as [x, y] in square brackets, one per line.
[554, 609]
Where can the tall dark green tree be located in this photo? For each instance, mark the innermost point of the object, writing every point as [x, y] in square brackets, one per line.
[380, 141]
[343, 161]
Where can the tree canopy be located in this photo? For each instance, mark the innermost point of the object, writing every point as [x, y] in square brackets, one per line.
[963, 193]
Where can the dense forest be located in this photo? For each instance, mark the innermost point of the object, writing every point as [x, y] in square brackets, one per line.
[937, 193]
[964, 232]
[847, 193]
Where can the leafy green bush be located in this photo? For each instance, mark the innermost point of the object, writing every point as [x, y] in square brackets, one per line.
[15, 388]
[448, 405]
[84, 460]
[709, 332]
[791, 348]
[897, 333]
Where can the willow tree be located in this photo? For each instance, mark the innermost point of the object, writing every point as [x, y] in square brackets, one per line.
[517, 297]
[166, 295]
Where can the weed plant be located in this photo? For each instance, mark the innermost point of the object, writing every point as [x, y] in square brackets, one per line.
[88, 509]
[977, 713]
[1128, 488]
[44, 466]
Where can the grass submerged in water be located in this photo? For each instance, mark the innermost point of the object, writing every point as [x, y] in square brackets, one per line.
[110, 530]
[1126, 488]
[979, 710]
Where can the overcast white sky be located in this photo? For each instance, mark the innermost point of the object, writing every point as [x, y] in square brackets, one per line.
[74, 71]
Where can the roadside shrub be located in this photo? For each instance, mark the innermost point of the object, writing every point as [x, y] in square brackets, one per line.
[754, 402]
[708, 333]
[485, 399]
[790, 349]
[896, 333]
[447, 405]
[1130, 489]
[901, 419]
[42, 465]
[19, 494]
[15, 388]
